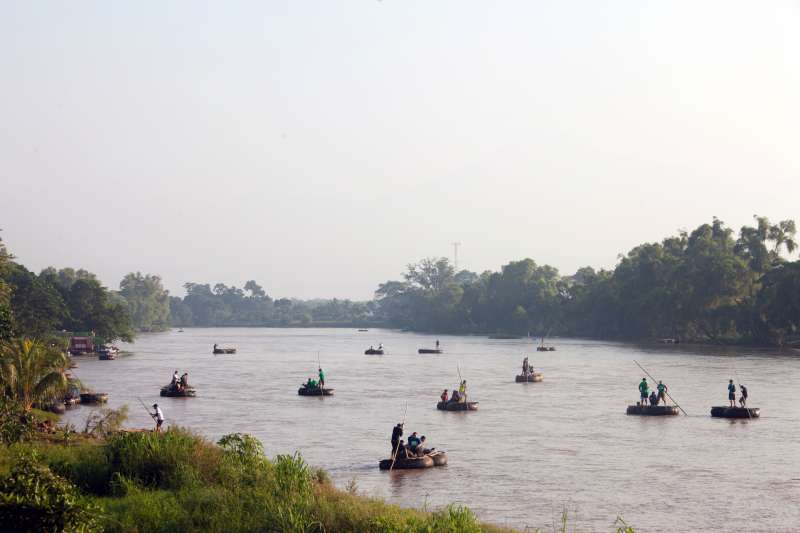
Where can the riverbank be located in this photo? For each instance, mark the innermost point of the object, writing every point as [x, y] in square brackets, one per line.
[178, 481]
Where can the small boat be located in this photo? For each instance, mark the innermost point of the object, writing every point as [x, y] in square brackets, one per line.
[107, 352]
[372, 351]
[426, 461]
[457, 406]
[363, 330]
[94, 397]
[735, 412]
[532, 377]
[652, 410]
[429, 350]
[218, 351]
[545, 349]
[172, 392]
[305, 391]
[180, 330]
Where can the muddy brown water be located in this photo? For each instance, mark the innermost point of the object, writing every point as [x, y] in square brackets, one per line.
[529, 452]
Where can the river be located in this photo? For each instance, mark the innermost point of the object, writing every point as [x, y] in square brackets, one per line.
[529, 452]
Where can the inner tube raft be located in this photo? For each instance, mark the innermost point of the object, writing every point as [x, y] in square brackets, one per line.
[533, 377]
[169, 392]
[545, 349]
[429, 350]
[652, 410]
[305, 391]
[457, 406]
[426, 461]
[373, 352]
[218, 351]
[735, 412]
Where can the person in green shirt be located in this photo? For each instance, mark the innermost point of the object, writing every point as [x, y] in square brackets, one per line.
[662, 393]
[644, 391]
[321, 378]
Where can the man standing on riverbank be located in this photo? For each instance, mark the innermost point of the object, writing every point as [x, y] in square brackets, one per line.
[158, 416]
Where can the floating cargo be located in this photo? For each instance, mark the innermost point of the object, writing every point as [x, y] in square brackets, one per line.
[173, 392]
[457, 406]
[429, 350]
[652, 410]
[735, 412]
[426, 461]
[316, 391]
[533, 377]
[372, 351]
[94, 397]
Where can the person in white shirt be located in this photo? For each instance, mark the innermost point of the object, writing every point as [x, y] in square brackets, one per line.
[158, 416]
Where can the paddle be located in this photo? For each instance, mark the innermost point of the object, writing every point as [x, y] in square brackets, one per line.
[394, 454]
[146, 409]
[665, 390]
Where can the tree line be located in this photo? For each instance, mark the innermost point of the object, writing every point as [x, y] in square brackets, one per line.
[707, 285]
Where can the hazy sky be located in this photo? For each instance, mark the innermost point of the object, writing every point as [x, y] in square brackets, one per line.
[318, 147]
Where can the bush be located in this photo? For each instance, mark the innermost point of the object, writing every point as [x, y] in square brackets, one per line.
[33, 498]
[16, 425]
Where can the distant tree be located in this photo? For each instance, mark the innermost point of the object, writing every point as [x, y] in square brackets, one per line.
[93, 308]
[254, 289]
[148, 301]
[180, 313]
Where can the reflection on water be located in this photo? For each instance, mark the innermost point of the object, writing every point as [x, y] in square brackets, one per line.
[531, 449]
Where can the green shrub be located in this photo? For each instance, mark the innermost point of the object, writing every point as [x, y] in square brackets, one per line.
[33, 498]
[16, 425]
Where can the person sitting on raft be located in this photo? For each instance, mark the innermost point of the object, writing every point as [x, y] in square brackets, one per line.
[184, 382]
[743, 399]
[443, 397]
[643, 391]
[455, 396]
[311, 384]
[413, 442]
[421, 449]
[731, 393]
[653, 398]
[662, 393]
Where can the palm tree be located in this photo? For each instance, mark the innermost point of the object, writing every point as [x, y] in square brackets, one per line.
[782, 234]
[30, 372]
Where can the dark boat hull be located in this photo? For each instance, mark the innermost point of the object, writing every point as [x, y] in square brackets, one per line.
[224, 350]
[94, 397]
[303, 391]
[373, 352]
[652, 410]
[429, 350]
[534, 377]
[172, 393]
[427, 461]
[457, 406]
[735, 412]
[545, 349]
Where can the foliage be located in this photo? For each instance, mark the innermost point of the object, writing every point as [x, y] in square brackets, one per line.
[105, 421]
[704, 285]
[16, 425]
[34, 499]
[31, 372]
[148, 302]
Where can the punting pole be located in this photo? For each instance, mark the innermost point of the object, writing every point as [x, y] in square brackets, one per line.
[394, 455]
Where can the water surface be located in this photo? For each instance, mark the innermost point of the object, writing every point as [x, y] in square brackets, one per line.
[529, 452]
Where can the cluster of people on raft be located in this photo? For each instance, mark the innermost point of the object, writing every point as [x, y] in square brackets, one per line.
[179, 383]
[527, 369]
[314, 384]
[458, 396]
[415, 447]
[659, 394]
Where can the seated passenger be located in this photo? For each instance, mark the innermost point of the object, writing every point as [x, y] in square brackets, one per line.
[443, 397]
[653, 398]
[455, 396]
[413, 442]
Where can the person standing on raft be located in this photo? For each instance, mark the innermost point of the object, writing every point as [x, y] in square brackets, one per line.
[731, 393]
[462, 391]
[743, 399]
[643, 391]
[662, 393]
[525, 367]
[321, 379]
[397, 432]
[443, 397]
[437, 344]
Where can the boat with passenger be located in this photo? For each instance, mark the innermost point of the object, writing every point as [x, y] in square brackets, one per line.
[220, 350]
[721, 411]
[429, 460]
[530, 377]
[651, 410]
[305, 390]
[171, 391]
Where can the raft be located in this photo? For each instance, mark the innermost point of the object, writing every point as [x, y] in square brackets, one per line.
[106, 355]
[305, 391]
[427, 461]
[169, 392]
[652, 410]
[533, 377]
[545, 349]
[218, 351]
[457, 406]
[735, 412]
[373, 352]
[94, 397]
[429, 350]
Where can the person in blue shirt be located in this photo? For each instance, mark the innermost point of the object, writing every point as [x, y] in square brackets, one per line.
[732, 393]
[413, 442]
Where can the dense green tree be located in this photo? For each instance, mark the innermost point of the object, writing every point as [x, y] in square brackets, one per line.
[148, 301]
[93, 308]
[31, 372]
[6, 315]
[38, 307]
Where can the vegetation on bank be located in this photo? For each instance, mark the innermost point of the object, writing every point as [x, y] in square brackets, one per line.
[706, 285]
